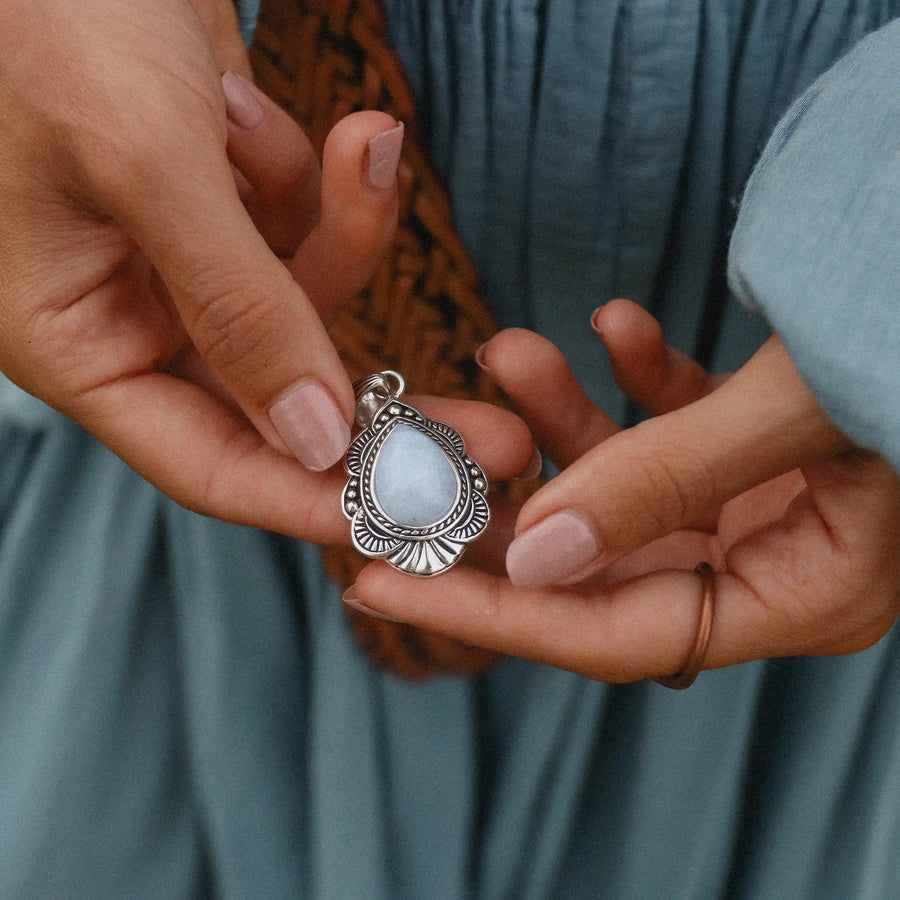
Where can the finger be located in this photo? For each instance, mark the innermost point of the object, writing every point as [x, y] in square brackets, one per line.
[534, 373]
[656, 376]
[205, 455]
[359, 210]
[281, 170]
[835, 587]
[248, 319]
[285, 194]
[664, 474]
[758, 507]
[747, 513]
[219, 18]
[637, 629]
[684, 549]
[495, 438]
[835, 590]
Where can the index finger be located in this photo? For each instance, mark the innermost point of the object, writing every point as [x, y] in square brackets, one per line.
[534, 372]
[632, 630]
[666, 473]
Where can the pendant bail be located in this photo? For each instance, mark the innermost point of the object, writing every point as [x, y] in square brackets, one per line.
[373, 392]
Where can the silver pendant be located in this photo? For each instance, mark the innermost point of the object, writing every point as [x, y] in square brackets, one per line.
[413, 497]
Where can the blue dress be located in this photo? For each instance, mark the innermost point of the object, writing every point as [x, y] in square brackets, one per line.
[182, 709]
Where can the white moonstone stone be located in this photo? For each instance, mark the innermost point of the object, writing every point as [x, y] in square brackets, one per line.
[414, 482]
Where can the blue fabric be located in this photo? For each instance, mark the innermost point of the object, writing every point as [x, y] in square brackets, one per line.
[600, 149]
[248, 12]
[182, 710]
[816, 243]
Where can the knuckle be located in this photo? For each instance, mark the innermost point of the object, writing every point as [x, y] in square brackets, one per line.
[665, 503]
[113, 156]
[229, 328]
[118, 151]
[104, 138]
[676, 488]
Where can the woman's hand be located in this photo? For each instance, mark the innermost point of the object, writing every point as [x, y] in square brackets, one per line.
[145, 202]
[220, 21]
[748, 474]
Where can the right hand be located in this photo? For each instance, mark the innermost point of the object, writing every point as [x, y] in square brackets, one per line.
[137, 294]
[806, 558]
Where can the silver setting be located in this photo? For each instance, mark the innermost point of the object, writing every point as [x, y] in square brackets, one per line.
[418, 550]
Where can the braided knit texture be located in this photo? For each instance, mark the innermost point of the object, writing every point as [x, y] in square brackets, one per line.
[421, 313]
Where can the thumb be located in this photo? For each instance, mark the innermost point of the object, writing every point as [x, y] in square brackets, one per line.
[666, 473]
[247, 318]
[359, 210]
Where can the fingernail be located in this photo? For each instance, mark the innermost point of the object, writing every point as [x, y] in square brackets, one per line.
[241, 103]
[533, 467]
[351, 600]
[479, 358]
[384, 157]
[311, 424]
[552, 552]
[595, 319]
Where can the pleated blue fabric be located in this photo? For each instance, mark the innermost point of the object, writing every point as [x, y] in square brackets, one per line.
[183, 712]
[815, 247]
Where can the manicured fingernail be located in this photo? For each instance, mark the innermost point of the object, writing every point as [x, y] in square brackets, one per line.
[479, 358]
[552, 552]
[351, 600]
[311, 424]
[384, 157]
[533, 468]
[241, 103]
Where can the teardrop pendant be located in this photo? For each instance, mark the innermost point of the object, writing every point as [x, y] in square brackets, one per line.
[413, 496]
[413, 481]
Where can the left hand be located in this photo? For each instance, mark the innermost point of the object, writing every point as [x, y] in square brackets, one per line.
[220, 22]
[141, 297]
[747, 473]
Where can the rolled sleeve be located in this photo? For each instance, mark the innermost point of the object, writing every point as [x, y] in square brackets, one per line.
[816, 247]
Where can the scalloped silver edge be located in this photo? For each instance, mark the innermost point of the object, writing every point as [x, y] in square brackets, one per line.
[424, 551]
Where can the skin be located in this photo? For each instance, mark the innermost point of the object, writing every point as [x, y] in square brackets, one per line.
[166, 274]
[164, 299]
[747, 473]
[219, 20]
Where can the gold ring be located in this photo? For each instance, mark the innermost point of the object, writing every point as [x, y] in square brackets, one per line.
[693, 665]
